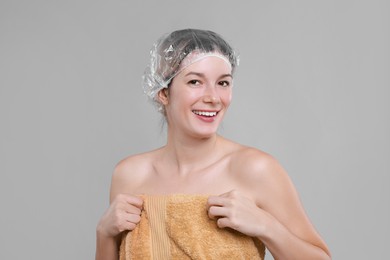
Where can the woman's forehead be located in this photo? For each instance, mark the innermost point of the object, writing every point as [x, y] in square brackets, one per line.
[207, 64]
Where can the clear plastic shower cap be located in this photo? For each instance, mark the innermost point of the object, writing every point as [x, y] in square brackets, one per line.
[168, 53]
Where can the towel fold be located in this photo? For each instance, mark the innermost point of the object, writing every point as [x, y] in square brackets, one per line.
[178, 227]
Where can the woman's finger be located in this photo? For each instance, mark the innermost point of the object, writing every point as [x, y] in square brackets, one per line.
[223, 223]
[133, 218]
[135, 201]
[130, 208]
[130, 199]
[216, 211]
[216, 201]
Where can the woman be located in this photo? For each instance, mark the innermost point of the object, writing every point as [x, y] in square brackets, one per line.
[201, 195]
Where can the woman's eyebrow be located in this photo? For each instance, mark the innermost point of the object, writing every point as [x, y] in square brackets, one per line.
[203, 76]
[195, 73]
[226, 75]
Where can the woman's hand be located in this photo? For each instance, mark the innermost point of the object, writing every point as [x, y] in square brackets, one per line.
[234, 210]
[123, 214]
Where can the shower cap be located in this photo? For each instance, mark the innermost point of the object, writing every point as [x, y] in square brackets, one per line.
[175, 51]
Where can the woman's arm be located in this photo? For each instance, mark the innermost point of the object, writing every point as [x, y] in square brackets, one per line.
[270, 210]
[106, 247]
[290, 234]
[123, 214]
[283, 244]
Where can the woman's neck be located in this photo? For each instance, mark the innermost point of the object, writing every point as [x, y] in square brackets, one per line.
[188, 154]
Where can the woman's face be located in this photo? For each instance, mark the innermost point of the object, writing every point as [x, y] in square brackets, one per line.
[199, 96]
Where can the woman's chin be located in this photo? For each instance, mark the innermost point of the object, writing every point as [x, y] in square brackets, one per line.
[205, 134]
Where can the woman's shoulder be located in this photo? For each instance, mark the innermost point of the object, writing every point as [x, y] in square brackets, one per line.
[132, 171]
[248, 157]
[253, 166]
[134, 162]
[259, 174]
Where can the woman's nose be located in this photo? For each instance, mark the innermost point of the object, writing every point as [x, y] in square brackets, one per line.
[210, 95]
[210, 99]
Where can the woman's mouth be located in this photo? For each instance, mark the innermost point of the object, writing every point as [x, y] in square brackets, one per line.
[206, 116]
[205, 113]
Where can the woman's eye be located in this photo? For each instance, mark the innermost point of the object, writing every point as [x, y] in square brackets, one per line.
[224, 83]
[194, 82]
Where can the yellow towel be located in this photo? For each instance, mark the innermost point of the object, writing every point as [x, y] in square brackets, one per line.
[178, 227]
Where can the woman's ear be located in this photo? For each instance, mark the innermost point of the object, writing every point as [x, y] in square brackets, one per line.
[163, 96]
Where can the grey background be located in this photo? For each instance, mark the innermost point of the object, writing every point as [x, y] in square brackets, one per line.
[312, 89]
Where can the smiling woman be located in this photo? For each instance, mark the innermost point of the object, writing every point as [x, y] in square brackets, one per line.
[201, 196]
[174, 52]
[198, 97]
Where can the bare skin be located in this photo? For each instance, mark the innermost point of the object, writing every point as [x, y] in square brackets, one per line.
[249, 191]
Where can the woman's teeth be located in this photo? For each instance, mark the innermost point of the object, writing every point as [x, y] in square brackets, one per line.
[204, 113]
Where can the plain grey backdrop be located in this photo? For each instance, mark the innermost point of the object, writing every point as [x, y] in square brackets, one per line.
[312, 89]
